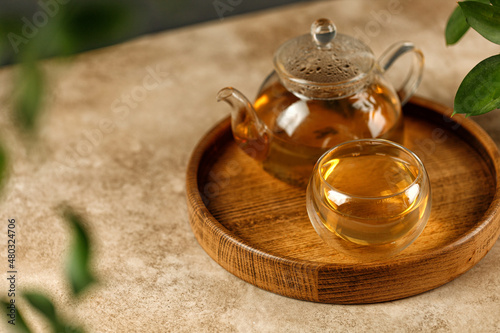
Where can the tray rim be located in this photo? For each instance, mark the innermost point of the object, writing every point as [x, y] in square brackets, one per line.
[470, 128]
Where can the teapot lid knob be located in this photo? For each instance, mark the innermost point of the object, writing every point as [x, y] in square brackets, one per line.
[323, 32]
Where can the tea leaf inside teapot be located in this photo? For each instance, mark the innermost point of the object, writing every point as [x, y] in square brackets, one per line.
[323, 133]
[340, 107]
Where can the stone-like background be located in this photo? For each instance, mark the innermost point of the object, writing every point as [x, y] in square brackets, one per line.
[114, 143]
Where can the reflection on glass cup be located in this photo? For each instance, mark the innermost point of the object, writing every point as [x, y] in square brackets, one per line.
[369, 198]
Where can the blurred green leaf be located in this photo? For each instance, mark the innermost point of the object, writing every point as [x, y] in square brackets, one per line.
[78, 271]
[495, 3]
[10, 28]
[29, 90]
[457, 25]
[483, 18]
[76, 27]
[93, 24]
[47, 43]
[20, 325]
[479, 92]
[45, 307]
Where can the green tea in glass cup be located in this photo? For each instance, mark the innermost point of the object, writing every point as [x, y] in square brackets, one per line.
[369, 198]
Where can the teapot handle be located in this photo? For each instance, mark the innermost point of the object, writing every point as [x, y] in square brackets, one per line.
[414, 76]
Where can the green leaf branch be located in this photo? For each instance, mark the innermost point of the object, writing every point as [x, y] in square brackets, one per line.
[479, 92]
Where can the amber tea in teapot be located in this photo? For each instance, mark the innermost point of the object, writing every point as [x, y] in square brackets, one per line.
[326, 89]
[296, 146]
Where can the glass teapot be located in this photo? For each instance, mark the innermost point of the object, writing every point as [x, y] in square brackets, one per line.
[327, 88]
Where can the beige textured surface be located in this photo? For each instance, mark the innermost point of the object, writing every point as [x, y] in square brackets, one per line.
[123, 166]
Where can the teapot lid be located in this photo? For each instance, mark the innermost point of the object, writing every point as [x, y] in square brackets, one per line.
[323, 64]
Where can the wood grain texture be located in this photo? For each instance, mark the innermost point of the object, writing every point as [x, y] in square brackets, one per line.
[257, 228]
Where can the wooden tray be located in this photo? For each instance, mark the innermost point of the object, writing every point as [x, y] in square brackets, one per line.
[257, 228]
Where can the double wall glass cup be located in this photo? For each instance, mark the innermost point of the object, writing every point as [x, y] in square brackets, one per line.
[369, 198]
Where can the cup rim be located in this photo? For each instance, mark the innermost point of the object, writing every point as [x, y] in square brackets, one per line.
[421, 168]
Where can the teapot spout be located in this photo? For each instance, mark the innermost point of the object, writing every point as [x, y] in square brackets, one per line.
[248, 130]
